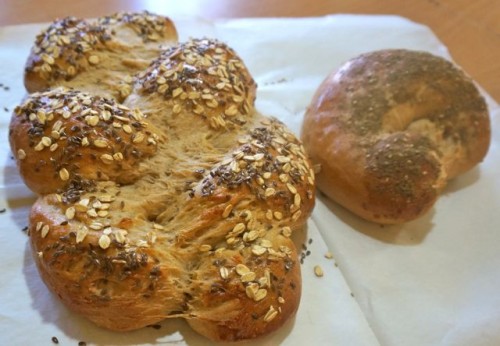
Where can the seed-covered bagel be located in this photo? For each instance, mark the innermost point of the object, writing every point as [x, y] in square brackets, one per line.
[390, 128]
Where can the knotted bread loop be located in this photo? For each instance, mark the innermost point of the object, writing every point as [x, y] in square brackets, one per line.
[390, 128]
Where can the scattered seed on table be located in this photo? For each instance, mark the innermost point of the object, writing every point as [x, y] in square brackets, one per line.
[318, 271]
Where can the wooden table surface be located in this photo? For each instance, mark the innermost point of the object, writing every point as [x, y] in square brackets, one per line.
[470, 29]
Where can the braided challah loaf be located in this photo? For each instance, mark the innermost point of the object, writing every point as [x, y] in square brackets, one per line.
[178, 202]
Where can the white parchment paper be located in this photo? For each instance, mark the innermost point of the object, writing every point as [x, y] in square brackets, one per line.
[435, 281]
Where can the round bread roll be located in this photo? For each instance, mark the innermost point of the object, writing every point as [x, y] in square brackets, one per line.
[390, 128]
[179, 202]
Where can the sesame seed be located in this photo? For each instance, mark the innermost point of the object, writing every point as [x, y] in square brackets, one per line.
[296, 215]
[127, 128]
[106, 115]
[138, 138]
[258, 250]
[96, 226]
[224, 272]
[240, 227]
[251, 290]
[227, 210]
[94, 59]
[107, 159]
[269, 214]
[176, 92]
[92, 120]
[92, 212]
[269, 192]
[104, 241]
[151, 237]
[45, 231]
[270, 314]
[250, 236]
[283, 159]
[64, 174]
[286, 231]
[100, 143]
[163, 88]
[296, 200]
[258, 156]
[193, 95]
[263, 281]
[48, 59]
[46, 141]
[70, 213]
[84, 202]
[242, 269]
[318, 271]
[81, 234]
[260, 294]
[205, 247]
[231, 111]
[247, 277]
[237, 99]
[266, 243]
[278, 215]
[158, 226]
[71, 70]
[329, 255]
[291, 188]
[177, 108]
[39, 146]
[120, 235]
[102, 213]
[41, 116]
[286, 167]
[21, 154]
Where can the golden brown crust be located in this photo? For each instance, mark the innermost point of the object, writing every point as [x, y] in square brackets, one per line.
[111, 49]
[63, 136]
[203, 77]
[389, 128]
[196, 226]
